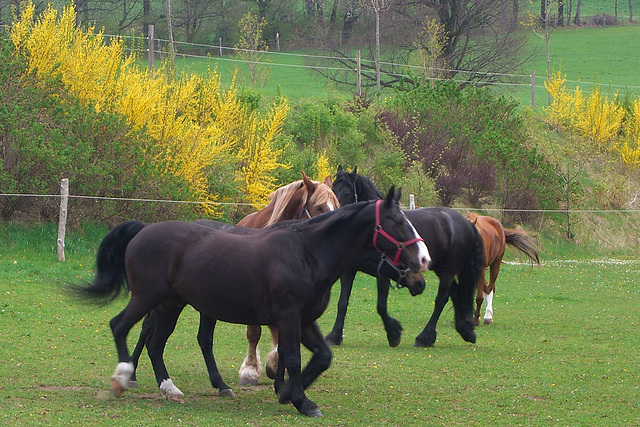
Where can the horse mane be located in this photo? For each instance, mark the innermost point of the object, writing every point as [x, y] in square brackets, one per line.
[328, 218]
[281, 197]
[366, 187]
[323, 195]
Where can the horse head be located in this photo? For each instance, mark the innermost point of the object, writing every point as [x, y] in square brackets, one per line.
[317, 198]
[397, 239]
[351, 187]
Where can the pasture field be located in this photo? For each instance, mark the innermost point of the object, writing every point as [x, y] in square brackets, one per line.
[563, 351]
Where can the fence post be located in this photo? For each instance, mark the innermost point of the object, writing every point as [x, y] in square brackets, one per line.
[62, 220]
[277, 42]
[152, 48]
[533, 88]
[220, 44]
[412, 201]
[358, 74]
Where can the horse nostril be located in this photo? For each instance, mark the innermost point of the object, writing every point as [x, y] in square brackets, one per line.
[424, 263]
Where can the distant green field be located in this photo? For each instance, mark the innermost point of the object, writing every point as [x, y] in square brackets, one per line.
[563, 351]
[605, 56]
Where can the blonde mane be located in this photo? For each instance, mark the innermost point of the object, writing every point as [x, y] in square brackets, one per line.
[281, 197]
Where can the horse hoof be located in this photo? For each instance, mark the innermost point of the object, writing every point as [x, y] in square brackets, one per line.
[333, 339]
[133, 384]
[116, 388]
[488, 321]
[226, 393]
[394, 342]
[250, 381]
[271, 372]
[310, 409]
[475, 322]
[176, 398]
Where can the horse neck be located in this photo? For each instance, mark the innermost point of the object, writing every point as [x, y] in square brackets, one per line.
[340, 240]
[287, 201]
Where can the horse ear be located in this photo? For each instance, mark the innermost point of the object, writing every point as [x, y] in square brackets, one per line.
[355, 170]
[391, 196]
[398, 195]
[327, 181]
[340, 170]
[308, 183]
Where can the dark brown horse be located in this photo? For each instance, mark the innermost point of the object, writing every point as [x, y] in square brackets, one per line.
[495, 238]
[301, 199]
[279, 276]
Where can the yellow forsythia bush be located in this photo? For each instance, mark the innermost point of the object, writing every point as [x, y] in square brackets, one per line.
[194, 124]
[595, 116]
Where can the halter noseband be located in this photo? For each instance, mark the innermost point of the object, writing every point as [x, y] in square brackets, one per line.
[305, 210]
[399, 245]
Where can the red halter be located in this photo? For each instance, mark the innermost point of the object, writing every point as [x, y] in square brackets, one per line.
[399, 245]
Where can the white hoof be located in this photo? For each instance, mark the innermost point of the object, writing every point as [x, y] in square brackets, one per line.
[170, 392]
[121, 377]
[249, 375]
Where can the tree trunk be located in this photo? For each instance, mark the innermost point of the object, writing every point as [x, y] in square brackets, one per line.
[630, 12]
[576, 20]
[561, 13]
[146, 16]
[170, 29]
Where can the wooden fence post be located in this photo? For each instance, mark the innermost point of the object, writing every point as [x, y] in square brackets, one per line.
[152, 48]
[220, 45]
[62, 220]
[533, 89]
[277, 42]
[412, 201]
[358, 74]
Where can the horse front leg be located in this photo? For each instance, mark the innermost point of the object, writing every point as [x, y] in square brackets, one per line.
[205, 340]
[272, 358]
[251, 369]
[346, 285]
[289, 339]
[428, 335]
[391, 325]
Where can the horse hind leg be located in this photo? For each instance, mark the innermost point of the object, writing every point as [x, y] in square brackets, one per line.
[251, 369]
[271, 367]
[490, 291]
[120, 327]
[480, 293]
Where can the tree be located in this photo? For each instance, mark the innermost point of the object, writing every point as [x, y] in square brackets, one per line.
[252, 46]
[481, 45]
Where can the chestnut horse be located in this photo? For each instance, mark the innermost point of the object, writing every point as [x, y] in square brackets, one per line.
[495, 238]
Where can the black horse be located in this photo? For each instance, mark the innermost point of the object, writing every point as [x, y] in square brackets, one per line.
[456, 250]
[281, 276]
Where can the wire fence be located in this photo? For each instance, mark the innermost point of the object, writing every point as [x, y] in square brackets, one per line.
[221, 52]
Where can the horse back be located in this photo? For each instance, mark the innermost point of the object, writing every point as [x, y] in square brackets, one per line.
[493, 236]
[449, 236]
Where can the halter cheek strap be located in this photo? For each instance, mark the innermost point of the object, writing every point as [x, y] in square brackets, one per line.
[380, 231]
[304, 210]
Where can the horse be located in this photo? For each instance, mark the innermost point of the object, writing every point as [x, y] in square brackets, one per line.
[281, 276]
[300, 199]
[495, 239]
[456, 251]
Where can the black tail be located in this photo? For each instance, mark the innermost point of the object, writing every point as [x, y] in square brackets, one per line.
[468, 278]
[111, 274]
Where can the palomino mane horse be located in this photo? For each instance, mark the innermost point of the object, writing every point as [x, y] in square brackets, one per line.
[300, 199]
[269, 278]
[456, 251]
[495, 238]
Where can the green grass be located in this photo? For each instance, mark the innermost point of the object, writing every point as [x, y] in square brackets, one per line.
[590, 55]
[562, 351]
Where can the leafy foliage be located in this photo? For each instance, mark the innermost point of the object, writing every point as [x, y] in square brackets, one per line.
[192, 128]
[471, 144]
